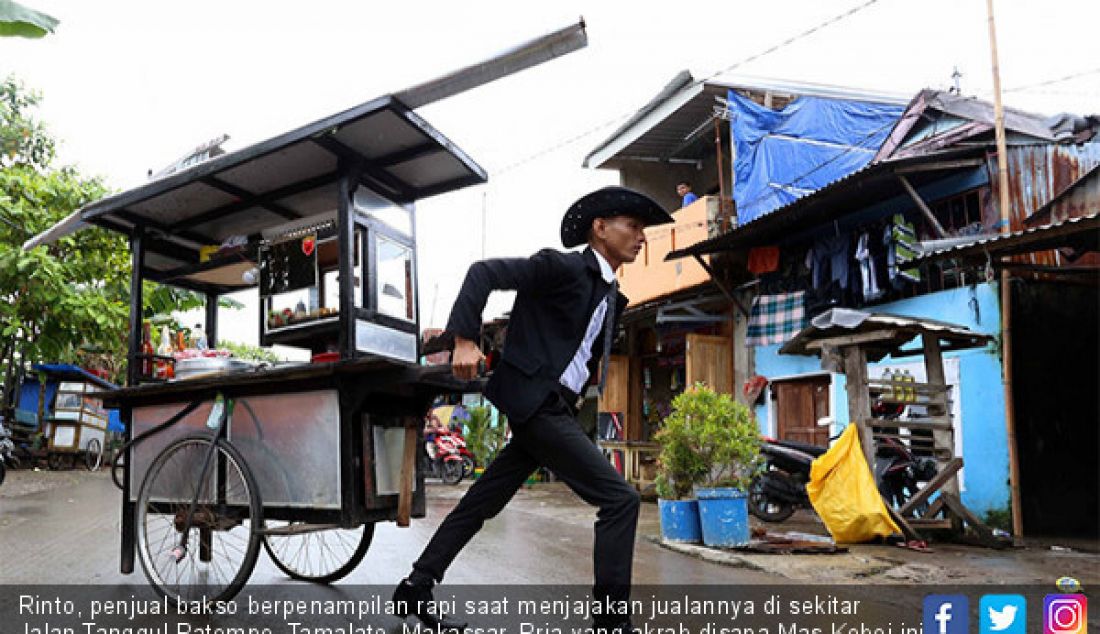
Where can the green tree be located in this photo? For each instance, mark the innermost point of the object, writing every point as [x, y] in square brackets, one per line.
[63, 301]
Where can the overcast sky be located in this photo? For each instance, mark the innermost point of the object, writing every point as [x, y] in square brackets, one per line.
[132, 85]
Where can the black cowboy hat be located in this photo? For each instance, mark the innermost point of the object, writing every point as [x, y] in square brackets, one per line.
[605, 203]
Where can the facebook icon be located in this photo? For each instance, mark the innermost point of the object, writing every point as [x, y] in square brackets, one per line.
[946, 614]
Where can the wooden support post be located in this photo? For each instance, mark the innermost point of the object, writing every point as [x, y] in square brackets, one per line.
[859, 401]
[408, 473]
[943, 440]
[947, 473]
[934, 508]
[928, 215]
[1004, 203]
[635, 383]
[906, 528]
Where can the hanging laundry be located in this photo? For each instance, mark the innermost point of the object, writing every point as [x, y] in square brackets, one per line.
[901, 241]
[763, 260]
[776, 318]
[831, 252]
[867, 268]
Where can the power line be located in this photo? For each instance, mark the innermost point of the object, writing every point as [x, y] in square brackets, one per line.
[791, 40]
[768, 51]
[1053, 81]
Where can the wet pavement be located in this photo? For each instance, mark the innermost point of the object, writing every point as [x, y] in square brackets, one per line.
[63, 527]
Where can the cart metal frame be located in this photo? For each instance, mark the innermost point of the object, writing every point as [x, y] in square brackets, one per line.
[381, 146]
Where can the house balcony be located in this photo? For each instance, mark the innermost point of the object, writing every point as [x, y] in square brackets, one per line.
[650, 277]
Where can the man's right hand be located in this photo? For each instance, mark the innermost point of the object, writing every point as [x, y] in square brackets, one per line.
[466, 359]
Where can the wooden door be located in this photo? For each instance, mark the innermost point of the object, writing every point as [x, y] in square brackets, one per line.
[709, 359]
[799, 403]
[616, 392]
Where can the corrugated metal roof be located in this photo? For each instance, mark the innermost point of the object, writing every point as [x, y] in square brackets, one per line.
[1068, 233]
[1082, 198]
[967, 118]
[662, 129]
[831, 202]
[838, 322]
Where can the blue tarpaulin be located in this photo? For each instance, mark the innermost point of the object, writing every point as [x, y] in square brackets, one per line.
[785, 154]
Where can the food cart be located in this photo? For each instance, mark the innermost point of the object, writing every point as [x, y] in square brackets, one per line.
[63, 404]
[301, 459]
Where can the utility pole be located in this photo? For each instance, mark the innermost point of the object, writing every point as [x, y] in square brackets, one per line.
[1006, 289]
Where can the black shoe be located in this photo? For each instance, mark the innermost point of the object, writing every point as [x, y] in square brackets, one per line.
[415, 599]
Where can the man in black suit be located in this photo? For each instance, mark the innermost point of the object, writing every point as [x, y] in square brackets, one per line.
[560, 329]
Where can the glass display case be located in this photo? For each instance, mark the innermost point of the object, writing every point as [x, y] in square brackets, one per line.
[299, 278]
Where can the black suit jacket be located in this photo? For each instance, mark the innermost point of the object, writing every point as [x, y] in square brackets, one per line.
[556, 295]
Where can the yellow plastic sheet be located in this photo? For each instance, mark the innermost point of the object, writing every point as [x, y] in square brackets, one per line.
[843, 492]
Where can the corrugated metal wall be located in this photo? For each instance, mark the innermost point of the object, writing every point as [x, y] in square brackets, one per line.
[1038, 173]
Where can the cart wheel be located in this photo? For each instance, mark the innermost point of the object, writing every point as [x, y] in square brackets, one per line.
[223, 541]
[118, 468]
[93, 454]
[54, 461]
[321, 556]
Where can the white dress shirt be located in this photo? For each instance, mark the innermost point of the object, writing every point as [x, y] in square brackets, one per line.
[576, 373]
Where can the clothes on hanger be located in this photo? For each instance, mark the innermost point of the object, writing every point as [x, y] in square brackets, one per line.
[763, 260]
[830, 254]
[868, 272]
[900, 239]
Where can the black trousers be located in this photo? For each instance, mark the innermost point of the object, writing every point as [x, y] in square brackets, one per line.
[551, 438]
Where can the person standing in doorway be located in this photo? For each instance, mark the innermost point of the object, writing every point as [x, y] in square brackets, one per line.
[683, 189]
[560, 330]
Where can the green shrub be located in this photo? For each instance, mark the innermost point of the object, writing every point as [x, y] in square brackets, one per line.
[709, 439]
[483, 438]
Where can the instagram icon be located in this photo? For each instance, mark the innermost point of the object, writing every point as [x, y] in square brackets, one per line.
[1064, 614]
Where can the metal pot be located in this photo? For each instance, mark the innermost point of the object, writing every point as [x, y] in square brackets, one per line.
[191, 368]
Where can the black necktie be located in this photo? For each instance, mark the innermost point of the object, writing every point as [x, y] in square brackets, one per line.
[608, 322]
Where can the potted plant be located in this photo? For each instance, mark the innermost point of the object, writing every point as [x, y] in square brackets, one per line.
[723, 437]
[678, 469]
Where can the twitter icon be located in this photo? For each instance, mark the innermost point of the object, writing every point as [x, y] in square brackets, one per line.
[1002, 614]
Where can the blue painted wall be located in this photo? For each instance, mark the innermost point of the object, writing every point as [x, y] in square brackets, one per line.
[984, 440]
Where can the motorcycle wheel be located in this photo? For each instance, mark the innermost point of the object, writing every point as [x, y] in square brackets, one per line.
[764, 507]
[3, 471]
[468, 465]
[452, 472]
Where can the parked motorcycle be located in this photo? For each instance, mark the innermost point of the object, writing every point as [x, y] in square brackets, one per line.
[775, 493]
[469, 462]
[780, 489]
[898, 472]
[442, 459]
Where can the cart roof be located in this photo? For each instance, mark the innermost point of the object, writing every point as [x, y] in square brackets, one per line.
[64, 371]
[895, 331]
[282, 179]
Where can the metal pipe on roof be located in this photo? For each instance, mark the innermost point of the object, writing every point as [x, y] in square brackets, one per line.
[532, 53]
